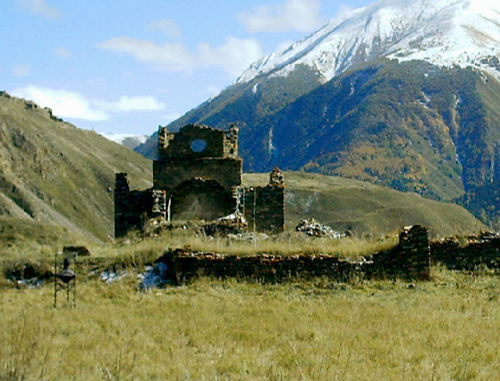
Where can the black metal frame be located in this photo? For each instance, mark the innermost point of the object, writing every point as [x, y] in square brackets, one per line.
[65, 280]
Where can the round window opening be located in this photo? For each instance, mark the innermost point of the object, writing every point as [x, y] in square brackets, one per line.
[198, 145]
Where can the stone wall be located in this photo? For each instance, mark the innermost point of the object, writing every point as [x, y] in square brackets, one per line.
[200, 199]
[197, 141]
[185, 265]
[168, 175]
[264, 208]
[132, 208]
[408, 260]
[483, 250]
[192, 141]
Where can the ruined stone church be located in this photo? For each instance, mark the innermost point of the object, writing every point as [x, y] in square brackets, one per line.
[197, 176]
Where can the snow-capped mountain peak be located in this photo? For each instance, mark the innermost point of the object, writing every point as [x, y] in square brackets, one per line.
[442, 32]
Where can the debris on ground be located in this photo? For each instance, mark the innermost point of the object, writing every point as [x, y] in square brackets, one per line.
[313, 228]
[248, 237]
[155, 276]
[110, 276]
[232, 224]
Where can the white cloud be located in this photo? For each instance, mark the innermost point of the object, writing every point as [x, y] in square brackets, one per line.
[70, 104]
[138, 103]
[21, 70]
[119, 138]
[344, 9]
[171, 117]
[167, 26]
[170, 56]
[293, 15]
[63, 52]
[233, 56]
[66, 104]
[41, 7]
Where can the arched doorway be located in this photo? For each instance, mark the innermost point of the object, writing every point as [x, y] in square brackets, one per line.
[200, 199]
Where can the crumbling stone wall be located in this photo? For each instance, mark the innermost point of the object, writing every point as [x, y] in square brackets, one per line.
[408, 260]
[198, 177]
[199, 171]
[200, 199]
[482, 250]
[184, 266]
[169, 174]
[264, 207]
[197, 141]
[132, 208]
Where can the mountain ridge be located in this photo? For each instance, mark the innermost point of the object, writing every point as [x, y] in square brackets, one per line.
[441, 32]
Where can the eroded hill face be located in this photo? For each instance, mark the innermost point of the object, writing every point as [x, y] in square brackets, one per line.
[366, 209]
[54, 173]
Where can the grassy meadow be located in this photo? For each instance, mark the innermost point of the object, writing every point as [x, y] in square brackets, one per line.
[232, 329]
[445, 329]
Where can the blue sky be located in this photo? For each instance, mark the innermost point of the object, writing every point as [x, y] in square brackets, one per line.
[128, 66]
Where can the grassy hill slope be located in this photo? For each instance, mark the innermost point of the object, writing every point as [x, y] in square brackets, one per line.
[365, 208]
[54, 173]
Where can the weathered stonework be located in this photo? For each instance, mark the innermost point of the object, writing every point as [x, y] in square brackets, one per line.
[479, 251]
[408, 260]
[198, 177]
[264, 208]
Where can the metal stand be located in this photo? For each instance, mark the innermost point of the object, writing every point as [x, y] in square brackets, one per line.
[65, 280]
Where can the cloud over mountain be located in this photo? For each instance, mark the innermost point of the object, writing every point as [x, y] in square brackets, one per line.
[292, 15]
[71, 104]
[232, 57]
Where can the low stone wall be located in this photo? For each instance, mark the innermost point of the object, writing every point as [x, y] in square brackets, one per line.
[483, 250]
[184, 265]
[408, 260]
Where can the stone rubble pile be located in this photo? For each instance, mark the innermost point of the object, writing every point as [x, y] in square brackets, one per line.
[313, 228]
[232, 224]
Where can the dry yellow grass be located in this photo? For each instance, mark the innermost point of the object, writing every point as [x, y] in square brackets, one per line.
[135, 251]
[228, 330]
[285, 244]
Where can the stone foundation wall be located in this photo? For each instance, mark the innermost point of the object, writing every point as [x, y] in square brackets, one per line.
[483, 250]
[409, 260]
[184, 266]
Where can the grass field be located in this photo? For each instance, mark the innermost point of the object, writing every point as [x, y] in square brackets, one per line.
[446, 329]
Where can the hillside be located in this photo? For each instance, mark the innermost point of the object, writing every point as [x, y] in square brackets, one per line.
[365, 208]
[54, 173]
